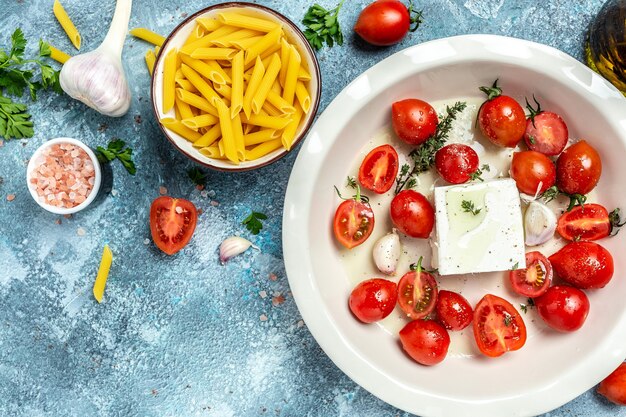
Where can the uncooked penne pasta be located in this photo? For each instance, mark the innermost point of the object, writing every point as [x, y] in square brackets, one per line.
[203, 69]
[196, 101]
[277, 101]
[245, 43]
[58, 55]
[197, 122]
[169, 82]
[289, 133]
[253, 85]
[247, 22]
[66, 23]
[261, 136]
[265, 86]
[207, 39]
[303, 75]
[236, 99]
[272, 122]
[196, 33]
[184, 110]
[203, 87]
[238, 136]
[219, 75]
[303, 96]
[228, 137]
[208, 23]
[225, 41]
[177, 127]
[150, 58]
[209, 137]
[186, 85]
[291, 78]
[213, 53]
[285, 48]
[272, 39]
[148, 36]
[270, 110]
[224, 90]
[263, 149]
[211, 152]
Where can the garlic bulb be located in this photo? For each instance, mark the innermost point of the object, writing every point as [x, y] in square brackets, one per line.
[97, 78]
[234, 246]
[539, 224]
[387, 251]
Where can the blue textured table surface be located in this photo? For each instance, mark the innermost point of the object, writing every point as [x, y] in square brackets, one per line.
[182, 335]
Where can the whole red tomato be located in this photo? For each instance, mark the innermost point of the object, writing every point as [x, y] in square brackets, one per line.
[453, 310]
[373, 300]
[501, 118]
[414, 121]
[578, 169]
[385, 22]
[425, 341]
[533, 172]
[613, 387]
[412, 214]
[563, 308]
[583, 264]
[456, 163]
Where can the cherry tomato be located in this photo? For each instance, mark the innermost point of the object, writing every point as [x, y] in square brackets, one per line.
[613, 387]
[412, 214]
[354, 222]
[583, 264]
[414, 121]
[535, 279]
[373, 300]
[383, 23]
[533, 172]
[417, 294]
[172, 223]
[454, 312]
[501, 118]
[563, 308]
[588, 222]
[498, 327]
[379, 169]
[425, 341]
[578, 169]
[546, 133]
[456, 163]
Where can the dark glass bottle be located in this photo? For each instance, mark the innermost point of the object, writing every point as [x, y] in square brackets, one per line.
[606, 47]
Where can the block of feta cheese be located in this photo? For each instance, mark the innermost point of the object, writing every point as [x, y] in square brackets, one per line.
[479, 228]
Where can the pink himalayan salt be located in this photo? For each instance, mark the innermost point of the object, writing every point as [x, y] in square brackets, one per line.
[64, 177]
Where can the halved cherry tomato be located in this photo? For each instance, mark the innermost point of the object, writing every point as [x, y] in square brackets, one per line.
[417, 293]
[613, 387]
[172, 223]
[583, 264]
[578, 169]
[379, 169]
[547, 133]
[563, 308]
[414, 121]
[412, 214]
[501, 118]
[533, 172]
[456, 163]
[454, 312]
[535, 279]
[384, 22]
[425, 341]
[373, 300]
[498, 327]
[354, 222]
[588, 222]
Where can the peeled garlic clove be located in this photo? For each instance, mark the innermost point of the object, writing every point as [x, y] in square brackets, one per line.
[234, 246]
[539, 224]
[97, 78]
[387, 251]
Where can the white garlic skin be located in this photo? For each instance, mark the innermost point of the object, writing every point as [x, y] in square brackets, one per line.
[539, 224]
[234, 246]
[97, 79]
[387, 251]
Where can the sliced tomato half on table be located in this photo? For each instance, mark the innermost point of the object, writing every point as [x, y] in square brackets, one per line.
[498, 326]
[172, 223]
[379, 169]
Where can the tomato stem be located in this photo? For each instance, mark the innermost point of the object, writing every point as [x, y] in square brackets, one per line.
[416, 17]
[493, 91]
[533, 111]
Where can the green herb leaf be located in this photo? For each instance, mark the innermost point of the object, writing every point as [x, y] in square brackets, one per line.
[253, 222]
[197, 176]
[524, 308]
[508, 320]
[351, 182]
[14, 120]
[616, 221]
[116, 149]
[322, 26]
[515, 267]
[18, 44]
[468, 207]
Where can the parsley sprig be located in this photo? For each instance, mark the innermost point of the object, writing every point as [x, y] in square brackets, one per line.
[574, 199]
[197, 176]
[477, 175]
[469, 207]
[616, 221]
[423, 157]
[253, 222]
[117, 150]
[18, 74]
[322, 26]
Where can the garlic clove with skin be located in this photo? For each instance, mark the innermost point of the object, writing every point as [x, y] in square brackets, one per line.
[234, 246]
[387, 251]
[97, 78]
[539, 224]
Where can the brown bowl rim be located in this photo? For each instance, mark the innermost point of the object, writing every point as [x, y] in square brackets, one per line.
[296, 30]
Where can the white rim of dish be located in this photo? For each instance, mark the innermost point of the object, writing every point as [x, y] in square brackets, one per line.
[298, 198]
[97, 177]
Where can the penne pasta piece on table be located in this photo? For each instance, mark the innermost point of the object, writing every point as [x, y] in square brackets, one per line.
[247, 22]
[150, 58]
[169, 81]
[148, 36]
[265, 86]
[58, 55]
[66, 23]
[182, 130]
[263, 149]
